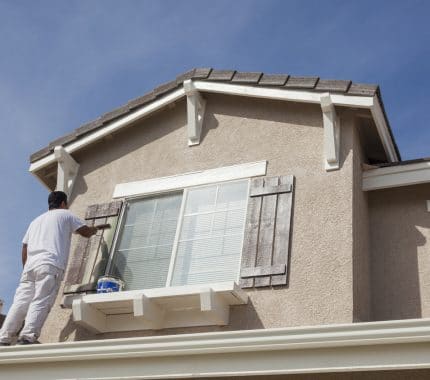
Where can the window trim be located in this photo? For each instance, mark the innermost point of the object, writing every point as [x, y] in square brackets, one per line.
[121, 220]
[159, 185]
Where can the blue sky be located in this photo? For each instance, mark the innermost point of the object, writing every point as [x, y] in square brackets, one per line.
[63, 63]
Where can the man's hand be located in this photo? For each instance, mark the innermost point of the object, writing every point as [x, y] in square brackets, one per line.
[87, 231]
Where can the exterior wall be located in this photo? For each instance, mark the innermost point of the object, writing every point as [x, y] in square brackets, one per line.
[361, 244]
[400, 236]
[240, 130]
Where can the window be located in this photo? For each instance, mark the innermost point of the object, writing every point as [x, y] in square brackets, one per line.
[188, 237]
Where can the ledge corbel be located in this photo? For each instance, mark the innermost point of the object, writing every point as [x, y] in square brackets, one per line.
[331, 133]
[145, 308]
[196, 105]
[215, 306]
[88, 316]
[67, 170]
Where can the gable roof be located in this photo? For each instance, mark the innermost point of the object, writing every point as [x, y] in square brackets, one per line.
[285, 81]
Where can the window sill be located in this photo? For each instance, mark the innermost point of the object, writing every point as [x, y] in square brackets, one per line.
[153, 309]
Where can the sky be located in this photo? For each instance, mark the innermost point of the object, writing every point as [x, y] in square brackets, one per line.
[66, 62]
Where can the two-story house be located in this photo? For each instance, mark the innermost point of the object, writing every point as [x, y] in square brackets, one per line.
[264, 226]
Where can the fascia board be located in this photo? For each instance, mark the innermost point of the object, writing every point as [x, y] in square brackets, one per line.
[282, 94]
[366, 102]
[111, 127]
[396, 176]
[376, 346]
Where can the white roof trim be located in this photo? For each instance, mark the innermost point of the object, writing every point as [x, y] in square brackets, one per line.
[366, 102]
[396, 176]
[111, 127]
[376, 346]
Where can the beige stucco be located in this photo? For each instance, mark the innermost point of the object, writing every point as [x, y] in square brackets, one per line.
[324, 250]
[361, 244]
[400, 261]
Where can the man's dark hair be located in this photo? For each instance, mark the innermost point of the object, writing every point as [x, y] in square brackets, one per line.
[56, 198]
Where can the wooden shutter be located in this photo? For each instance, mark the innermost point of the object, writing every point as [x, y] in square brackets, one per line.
[89, 259]
[267, 232]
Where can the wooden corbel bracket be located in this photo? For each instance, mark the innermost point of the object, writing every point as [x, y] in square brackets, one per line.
[331, 133]
[67, 170]
[196, 105]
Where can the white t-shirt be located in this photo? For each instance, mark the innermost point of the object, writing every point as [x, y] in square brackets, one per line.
[48, 238]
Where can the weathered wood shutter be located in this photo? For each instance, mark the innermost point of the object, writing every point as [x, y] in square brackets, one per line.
[89, 259]
[267, 232]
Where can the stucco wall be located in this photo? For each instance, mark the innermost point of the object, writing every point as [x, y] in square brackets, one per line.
[400, 249]
[361, 239]
[240, 130]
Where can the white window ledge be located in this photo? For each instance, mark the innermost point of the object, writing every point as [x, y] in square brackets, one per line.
[179, 306]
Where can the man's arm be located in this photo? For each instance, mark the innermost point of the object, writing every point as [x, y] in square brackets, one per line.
[24, 254]
[87, 231]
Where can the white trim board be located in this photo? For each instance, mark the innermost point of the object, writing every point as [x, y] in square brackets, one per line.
[396, 176]
[111, 127]
[366, 102]
[375, 346]
[170, 307]
[181, 181]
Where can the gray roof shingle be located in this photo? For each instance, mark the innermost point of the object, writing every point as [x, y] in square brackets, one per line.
[208, 74]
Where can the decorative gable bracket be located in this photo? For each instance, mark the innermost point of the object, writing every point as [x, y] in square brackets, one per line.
[331, 133]
[196, 105]
[67, 170]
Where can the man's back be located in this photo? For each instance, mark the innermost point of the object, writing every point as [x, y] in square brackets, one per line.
[48, 238]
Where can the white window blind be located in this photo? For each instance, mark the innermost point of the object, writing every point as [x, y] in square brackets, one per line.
[145, 244]
[211, 236]
[197, 233]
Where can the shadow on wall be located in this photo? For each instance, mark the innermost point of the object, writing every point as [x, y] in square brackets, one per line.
[242, 317]
[399, 225]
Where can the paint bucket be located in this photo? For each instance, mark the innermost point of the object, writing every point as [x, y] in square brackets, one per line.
[108, 284]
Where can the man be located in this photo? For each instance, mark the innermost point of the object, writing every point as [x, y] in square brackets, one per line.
[45, 252]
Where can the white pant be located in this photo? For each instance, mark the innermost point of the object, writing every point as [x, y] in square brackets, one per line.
[33, 300]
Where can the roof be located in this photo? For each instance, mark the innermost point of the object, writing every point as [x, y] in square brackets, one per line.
[308, 83]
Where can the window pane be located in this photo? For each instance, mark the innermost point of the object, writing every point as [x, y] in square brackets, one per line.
[201, 200]
[211, 236]
[144, 248]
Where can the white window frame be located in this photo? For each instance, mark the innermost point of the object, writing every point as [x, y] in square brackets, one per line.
[185, 192]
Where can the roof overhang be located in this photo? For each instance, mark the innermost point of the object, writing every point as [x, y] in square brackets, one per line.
[375, 346]
[396, 176]
[371, 103]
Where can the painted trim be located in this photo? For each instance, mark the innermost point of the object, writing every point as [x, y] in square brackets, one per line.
[67, 170]
[366, 102]
[396, 176]
[111, 127]
[196, 107]
[181, 181]
[161, 308]
[331, 125]
[282, 94]
[375, 346]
